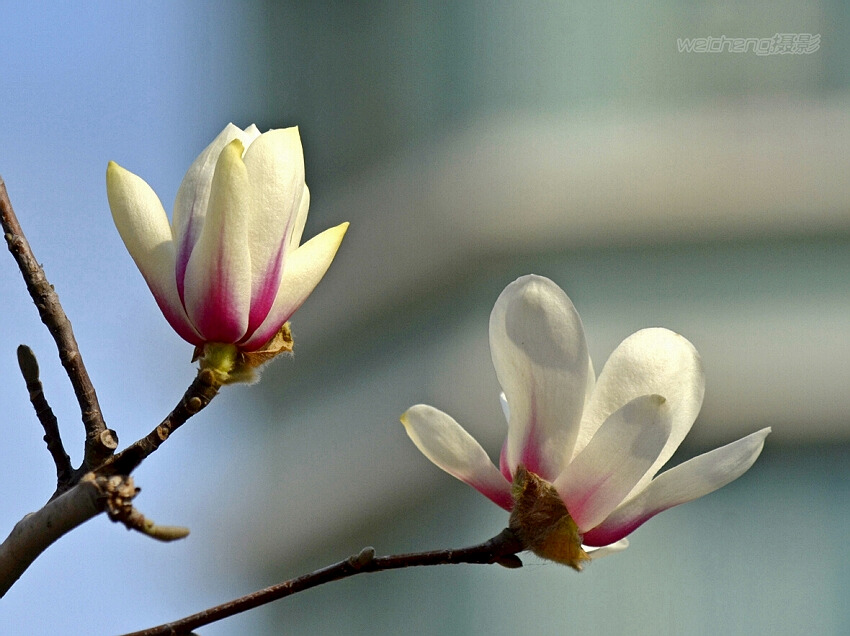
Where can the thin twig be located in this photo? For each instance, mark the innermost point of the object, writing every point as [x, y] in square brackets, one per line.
[199, 394]
[500, 549]
[102, 481]
[37, 531]
[29, 369]
[101, 442]
[120, 491]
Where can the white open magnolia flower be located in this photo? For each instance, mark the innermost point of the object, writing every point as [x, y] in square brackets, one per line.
[228, 269]
[578, 468]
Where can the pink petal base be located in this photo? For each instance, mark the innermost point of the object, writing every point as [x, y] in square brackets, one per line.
[499, 496]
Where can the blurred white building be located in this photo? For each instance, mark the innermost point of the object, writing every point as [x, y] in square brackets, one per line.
[469, 144]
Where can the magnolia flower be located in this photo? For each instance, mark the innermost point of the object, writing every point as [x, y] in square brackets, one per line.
[578, 470]
[228, 269]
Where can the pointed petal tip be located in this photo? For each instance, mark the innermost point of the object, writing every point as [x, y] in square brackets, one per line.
[284, 137]
[114, 173]
[681, 484]
[331, 238]
[417, 410]
[112, 170]
[302, 272]
[760, 437]
[235, 147]
[531, 278]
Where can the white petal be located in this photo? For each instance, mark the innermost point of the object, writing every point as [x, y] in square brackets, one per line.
[275, 164]
[598, 553]
[685, 482]
[250, 134]
[300, 220]
[624, 447]
[442, 440]
[302, 271]
[591, 382]
[651, 361]
[190, 206]
[540, 355]
[217, 292]
[143, 225]
[506, 409]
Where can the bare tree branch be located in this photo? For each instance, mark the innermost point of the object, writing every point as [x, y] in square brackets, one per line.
[102, 481]
[101, 442]
[29, 369]
[120, 492]
[199, 394]
[501, 549]
[38, 530]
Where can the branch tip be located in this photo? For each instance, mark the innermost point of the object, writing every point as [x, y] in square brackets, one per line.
[119, 492]
[164, 533]
[29, 369]
[108, 439]
[28, 364]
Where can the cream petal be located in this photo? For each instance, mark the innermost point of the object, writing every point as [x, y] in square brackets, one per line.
[687, 481]
[442, 440]
[218, 275]
[620, 453]
[143, 226]
[300, 220]
[651, 361]
[275, 165]
[193, 195]
[302, 271]
[591, 382]
[250, 134]
[540, 355]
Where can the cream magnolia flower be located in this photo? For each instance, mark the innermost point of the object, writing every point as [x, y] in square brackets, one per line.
[578, 468]
[228, 268]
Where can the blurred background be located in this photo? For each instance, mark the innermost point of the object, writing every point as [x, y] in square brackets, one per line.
[468, 144]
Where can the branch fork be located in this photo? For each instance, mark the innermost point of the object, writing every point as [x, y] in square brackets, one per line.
[102, 482]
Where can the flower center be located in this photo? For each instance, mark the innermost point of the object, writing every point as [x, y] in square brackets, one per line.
[219, 358]
[541, 521]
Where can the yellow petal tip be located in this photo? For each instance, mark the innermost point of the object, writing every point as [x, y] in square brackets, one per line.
[112, 168]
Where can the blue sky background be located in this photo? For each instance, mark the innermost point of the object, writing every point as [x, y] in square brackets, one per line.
[147, 86]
